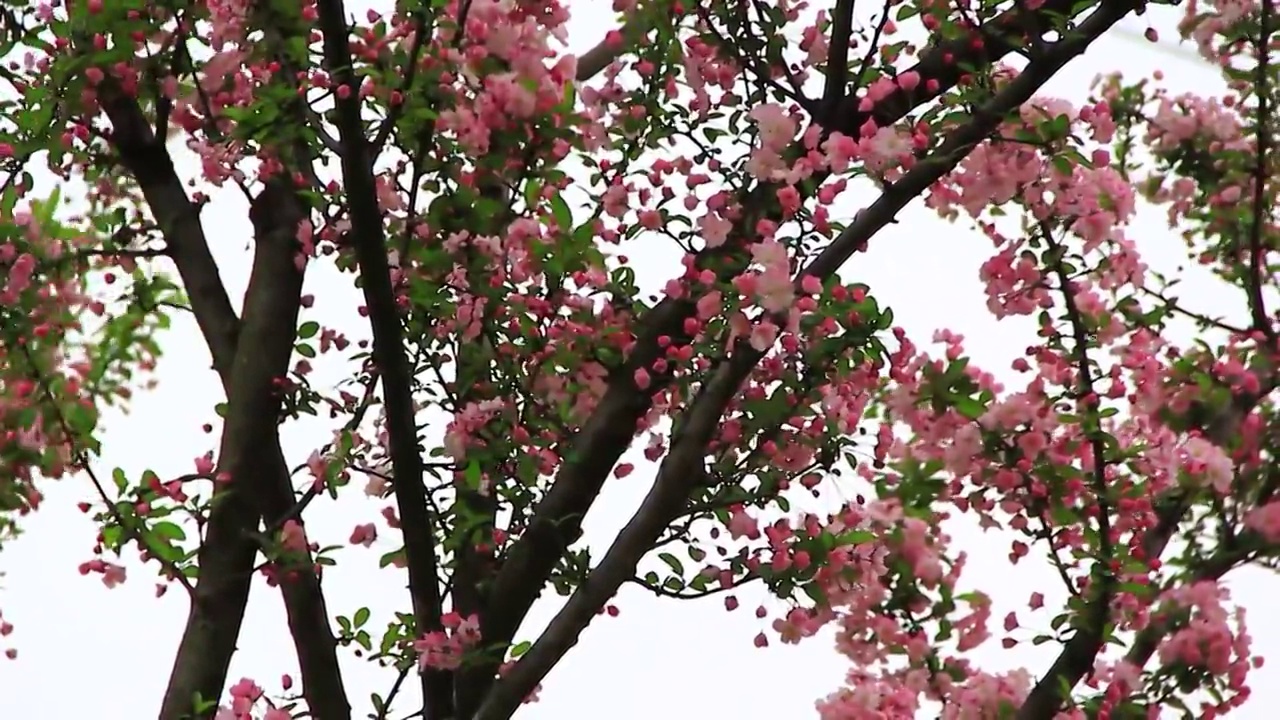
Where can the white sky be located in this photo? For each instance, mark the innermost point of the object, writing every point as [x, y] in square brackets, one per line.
[85, 649]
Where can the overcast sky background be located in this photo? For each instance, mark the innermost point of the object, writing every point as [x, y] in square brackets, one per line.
[87, 650]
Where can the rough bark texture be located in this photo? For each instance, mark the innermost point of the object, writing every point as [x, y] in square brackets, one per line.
[228, 550]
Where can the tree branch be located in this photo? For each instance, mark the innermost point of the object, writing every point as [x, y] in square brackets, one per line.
[959, 142]
[684, 462]
[606, 435]
[369, 242]
[947, 61]
[477, 511]
[838, 51]
[1261, 216]
[214, 621]
[1080, 652]
[146, 158]
[1214, 567]
[253, 401]
[594, 61]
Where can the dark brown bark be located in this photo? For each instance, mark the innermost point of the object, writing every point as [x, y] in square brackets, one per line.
[369, 241]
[228, 552]
[264, 346]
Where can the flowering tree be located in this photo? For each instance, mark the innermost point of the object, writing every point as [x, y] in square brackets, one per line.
[483, 193]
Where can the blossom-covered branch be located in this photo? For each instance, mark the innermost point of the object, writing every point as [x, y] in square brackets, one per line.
[485, 194]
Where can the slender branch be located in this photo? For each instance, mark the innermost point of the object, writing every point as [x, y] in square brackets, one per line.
[661, 591]
[423, 27]
[147, 160]
[128, 527]
[864, 67]
[983, 122]
[395, 690]
[474, 562]
[1223, 561]
[1261, 208]
[748, 51]
[1099, 612]
[1212, 568]
[367, 237]
[945, 62]
[1201, 318]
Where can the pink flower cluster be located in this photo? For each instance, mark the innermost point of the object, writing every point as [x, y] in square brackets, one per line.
[444, 649]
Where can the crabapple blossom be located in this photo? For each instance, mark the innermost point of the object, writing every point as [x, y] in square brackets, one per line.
[485, 192]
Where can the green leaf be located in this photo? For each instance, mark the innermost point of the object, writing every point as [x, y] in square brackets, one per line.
[82, 418]
[308, 330]
[672, 562]
[815, 593]
[111, 536]
[361, 617]
[473, 475]
[169, 531]
[967, 406]
[854, 537]
[43, 211]
[561, 213]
